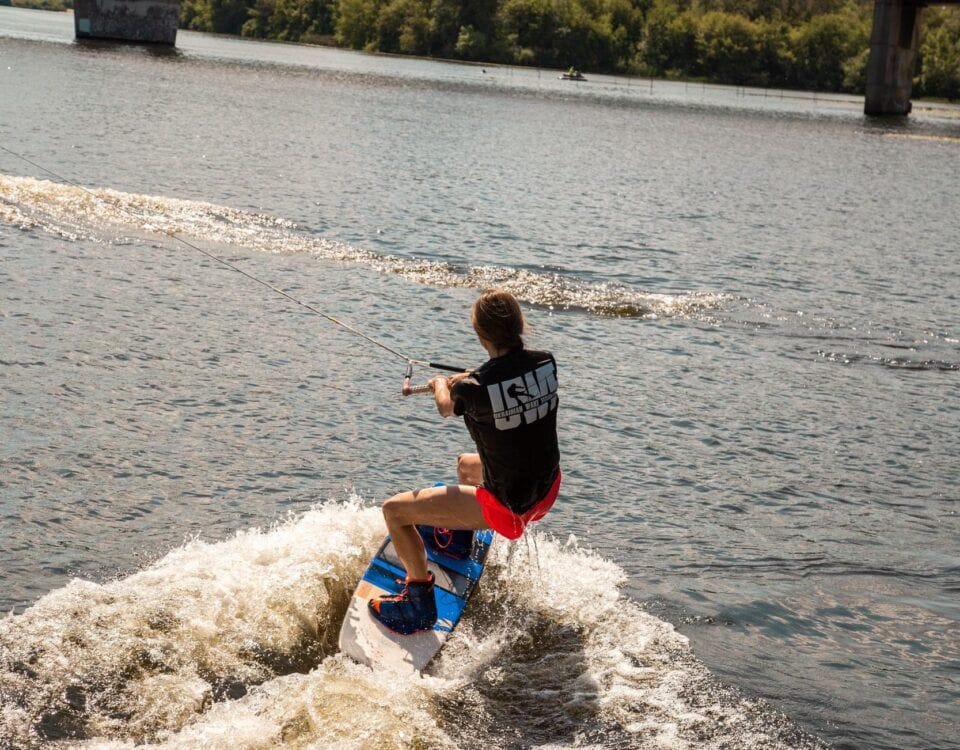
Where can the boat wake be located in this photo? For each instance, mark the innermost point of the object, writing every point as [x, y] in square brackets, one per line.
[894, 363]
[231, 644]
[76, 213]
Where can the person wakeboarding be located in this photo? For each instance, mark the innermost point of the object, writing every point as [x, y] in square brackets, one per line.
[509, 406]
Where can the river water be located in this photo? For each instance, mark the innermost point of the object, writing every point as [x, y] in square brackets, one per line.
[753, 300]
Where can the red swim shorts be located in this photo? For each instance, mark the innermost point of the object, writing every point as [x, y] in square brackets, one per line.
[507, 523]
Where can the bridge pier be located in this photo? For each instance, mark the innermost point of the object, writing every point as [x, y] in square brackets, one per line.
[893, 50]
[152, 21]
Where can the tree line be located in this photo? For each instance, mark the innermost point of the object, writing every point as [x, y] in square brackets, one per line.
[808, 44]
[820, 45]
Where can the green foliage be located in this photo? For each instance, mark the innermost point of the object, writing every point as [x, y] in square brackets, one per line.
[940, 54]
[815, 44]
[445, 27]
[223, 16]
[356, 24]
[57, 5]
[471, 43]
[194, 15]
[855, 72]
[405, 26]
[290, 20]
[822, 46]
[228, 15]
[775, 60]
[556, 32]
[670, 40]
[758, 45]
[728, 46]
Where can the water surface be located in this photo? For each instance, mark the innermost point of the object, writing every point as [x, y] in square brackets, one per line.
[753, 300]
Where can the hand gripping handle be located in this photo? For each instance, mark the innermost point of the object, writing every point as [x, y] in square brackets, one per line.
[410, 390]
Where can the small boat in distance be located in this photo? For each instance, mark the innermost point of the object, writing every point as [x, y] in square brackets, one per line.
[573, 75]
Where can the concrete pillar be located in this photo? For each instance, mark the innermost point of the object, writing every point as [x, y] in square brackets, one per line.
[893, 49]
[127, 20]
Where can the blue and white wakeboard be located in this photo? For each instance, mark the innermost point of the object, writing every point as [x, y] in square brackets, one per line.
[369, 642]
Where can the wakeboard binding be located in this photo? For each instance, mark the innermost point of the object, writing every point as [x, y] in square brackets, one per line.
[457, 544]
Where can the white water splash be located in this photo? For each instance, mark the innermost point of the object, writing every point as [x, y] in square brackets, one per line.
[230, 645]
[74, 212]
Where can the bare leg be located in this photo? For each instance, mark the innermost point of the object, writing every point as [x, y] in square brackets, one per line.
[452, 507]
[469, 469]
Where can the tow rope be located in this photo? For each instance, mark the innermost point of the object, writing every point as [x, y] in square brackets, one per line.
[406, 389]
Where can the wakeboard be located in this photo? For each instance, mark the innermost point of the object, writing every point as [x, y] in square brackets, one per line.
[369, 642]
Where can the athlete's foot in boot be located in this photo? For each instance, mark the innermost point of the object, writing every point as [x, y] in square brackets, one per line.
[413, 610]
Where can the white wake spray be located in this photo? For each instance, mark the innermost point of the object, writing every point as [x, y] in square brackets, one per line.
[231, 645]
[80, 213]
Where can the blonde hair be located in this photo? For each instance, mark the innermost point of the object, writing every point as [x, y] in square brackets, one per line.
[498, 319]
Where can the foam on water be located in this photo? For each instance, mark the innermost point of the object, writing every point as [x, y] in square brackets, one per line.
[231, 644]
[74, 212]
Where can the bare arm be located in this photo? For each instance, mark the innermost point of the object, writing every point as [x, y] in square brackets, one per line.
[441, 392]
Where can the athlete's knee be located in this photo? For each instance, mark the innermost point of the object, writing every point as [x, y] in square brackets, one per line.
[394, 509]
[463, 467]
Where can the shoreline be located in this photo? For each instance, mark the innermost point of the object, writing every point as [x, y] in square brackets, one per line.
[944, 105]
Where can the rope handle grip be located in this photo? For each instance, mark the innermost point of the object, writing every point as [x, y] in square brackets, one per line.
[411, 390]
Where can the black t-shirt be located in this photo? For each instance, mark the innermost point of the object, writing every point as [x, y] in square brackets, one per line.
[509, 406]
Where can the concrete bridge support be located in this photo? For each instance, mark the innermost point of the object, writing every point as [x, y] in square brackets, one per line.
[152, 21]
[893, 50]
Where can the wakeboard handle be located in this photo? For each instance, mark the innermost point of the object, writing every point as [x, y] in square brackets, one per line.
[410, 390]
